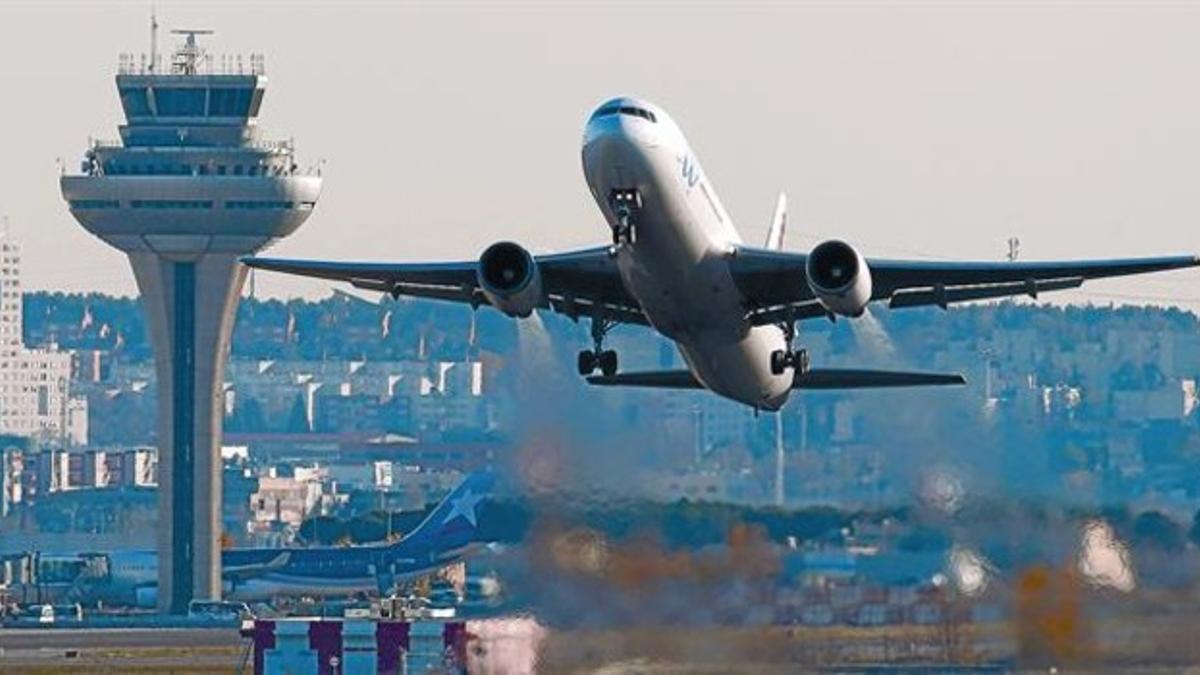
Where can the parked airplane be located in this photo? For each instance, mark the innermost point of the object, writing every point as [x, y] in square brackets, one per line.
[678, 265]
[254, 574]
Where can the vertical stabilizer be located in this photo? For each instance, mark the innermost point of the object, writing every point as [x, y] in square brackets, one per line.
[453, 522]
[778, 225]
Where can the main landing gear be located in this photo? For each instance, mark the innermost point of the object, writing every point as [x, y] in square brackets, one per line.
[782, 359]
[626, 203]
[796, 359]
[605, 360]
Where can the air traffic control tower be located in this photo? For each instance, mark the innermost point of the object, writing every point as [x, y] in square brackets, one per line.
[190, 187]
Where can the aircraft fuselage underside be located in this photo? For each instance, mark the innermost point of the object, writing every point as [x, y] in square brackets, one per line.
[674, 258]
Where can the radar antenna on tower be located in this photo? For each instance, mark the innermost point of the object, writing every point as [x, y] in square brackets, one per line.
[186, 60]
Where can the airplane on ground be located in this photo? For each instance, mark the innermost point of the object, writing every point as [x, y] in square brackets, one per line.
[678, 265]
[446, 536]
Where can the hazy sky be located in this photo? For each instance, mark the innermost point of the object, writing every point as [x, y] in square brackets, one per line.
[913, 129]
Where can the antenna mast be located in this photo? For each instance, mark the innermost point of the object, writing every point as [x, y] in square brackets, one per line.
[153, 38]
[1014, 249]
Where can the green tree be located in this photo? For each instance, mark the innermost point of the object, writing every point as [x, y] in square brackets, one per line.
[323, 530]
[368, 527]
[1155, 529]
[297, 422]
[1194, 532]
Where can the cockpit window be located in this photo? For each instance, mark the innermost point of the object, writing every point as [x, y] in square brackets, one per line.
[625, 110]
[638, 112]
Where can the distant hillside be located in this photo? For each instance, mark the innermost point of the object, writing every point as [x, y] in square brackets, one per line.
[345, 327]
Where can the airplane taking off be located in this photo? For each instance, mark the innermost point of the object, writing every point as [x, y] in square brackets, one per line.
[444, 537]
[678, 265]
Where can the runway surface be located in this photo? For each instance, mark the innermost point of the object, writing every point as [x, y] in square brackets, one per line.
[121, 650]
[83, 638]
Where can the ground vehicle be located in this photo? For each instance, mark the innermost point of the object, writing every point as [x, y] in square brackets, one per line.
[54, 613]
[219, 610]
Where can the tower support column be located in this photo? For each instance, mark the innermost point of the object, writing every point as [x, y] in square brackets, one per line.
[190, 303]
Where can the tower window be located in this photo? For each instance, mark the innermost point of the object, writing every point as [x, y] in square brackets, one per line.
[179, 101]
[85, 204]
[133, 99]
[229, 102]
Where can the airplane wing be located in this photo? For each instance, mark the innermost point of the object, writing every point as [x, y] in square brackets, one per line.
[776, 284]
[577, 283]
[250, 571]
[816, 378]
[583, 282]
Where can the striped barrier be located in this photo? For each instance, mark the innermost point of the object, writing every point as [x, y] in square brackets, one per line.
[335, 646]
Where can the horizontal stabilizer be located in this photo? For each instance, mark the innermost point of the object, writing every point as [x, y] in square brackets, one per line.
[817, 378]
[656, 379]
[851, 378]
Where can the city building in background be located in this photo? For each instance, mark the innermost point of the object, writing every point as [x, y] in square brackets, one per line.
[35, 384]
[190, 188]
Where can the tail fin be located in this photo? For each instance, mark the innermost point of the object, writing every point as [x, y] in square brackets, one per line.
[778, 225]
[453, 522]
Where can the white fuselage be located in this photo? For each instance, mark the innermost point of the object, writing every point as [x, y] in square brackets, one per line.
[677, 267]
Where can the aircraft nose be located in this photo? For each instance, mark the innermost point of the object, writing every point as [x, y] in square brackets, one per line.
[620, 129]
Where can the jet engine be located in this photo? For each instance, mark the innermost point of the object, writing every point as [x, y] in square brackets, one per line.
[509, 277]
[838, 275]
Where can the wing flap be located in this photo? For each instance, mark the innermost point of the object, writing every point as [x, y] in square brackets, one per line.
[942, 296]
[893, 275]
[855, 378]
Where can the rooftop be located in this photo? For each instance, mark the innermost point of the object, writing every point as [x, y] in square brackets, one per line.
[189, 59]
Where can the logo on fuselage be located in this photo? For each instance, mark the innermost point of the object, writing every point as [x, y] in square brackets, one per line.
[689, 170]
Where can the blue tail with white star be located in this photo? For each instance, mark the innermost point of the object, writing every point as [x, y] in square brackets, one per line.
[451, 526]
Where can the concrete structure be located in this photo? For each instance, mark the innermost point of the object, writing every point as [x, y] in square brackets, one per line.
[190, 188]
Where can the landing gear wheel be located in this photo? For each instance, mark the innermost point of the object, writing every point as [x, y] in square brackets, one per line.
[800, 361]
[625, 203]
[587, 362]
[779, 362]
[624, 232]
[608, 363]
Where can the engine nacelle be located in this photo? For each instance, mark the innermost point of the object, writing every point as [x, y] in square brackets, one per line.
[838, 275]
[509, 277]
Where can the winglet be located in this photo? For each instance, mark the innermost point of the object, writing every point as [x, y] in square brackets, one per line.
[778, 225]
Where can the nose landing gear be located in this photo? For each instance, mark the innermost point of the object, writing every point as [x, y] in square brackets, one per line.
[626, 203]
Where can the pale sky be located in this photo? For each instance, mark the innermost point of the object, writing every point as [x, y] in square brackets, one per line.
[912, 129]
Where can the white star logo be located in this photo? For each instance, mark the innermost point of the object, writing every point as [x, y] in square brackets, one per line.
[464, 506]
